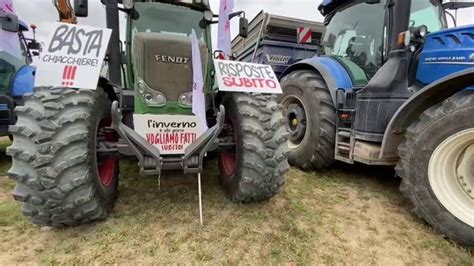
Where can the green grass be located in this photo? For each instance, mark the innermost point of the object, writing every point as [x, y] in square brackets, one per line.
[348, 215]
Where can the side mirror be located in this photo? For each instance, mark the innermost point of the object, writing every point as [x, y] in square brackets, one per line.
[457, 5]
[243, 27]
[81, 8]
[9, 22]
[33, 45]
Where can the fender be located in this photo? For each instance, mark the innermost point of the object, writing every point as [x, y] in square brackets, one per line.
[105, 84]
[24, 81]
[333, 73]
[411, 110]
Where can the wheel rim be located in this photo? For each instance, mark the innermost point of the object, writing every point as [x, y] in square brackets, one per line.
[107, 172]
[106, 167]
[296, 120]
[451, 175]
[229, 158]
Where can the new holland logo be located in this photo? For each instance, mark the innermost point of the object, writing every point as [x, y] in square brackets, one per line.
[471, 57]
[171, 59]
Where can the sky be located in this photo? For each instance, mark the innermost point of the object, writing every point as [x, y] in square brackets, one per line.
[42, 12]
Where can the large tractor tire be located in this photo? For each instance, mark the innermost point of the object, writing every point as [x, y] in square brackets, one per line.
[254, 168]
[59, 177]
[310, 119]
[437, 167]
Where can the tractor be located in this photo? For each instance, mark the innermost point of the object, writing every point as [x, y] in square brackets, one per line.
[392, 86]
[68, 142]
[16, 74]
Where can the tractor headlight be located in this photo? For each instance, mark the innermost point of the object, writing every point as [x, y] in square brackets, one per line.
[141, 86]
[127, 4]
[160, 99]
[186, 99]
[149, 96]
[423, 31]
[208, 15]
[419, 32]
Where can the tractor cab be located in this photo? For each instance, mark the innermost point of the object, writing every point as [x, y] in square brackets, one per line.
[10, 64]
[358, 33]
[161, 66]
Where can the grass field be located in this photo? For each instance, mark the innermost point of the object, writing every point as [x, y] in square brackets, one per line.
[353, 214]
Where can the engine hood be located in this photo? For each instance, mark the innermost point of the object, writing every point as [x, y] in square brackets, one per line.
[446, 52]
[164, 62]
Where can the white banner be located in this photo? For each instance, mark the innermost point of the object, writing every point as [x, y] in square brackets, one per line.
[246, 77]
[199, 98]
[223, 36]
[73, 56]
[171, 134]
[10, 41]
[7, 6]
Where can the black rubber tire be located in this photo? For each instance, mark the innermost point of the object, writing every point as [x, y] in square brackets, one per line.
[316, 150]
[53, 160]
[261, 157]
[421, 139]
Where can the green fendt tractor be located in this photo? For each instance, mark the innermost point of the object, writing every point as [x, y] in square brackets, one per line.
[68, 142]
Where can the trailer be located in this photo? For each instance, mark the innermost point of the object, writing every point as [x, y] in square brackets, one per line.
[278, 41]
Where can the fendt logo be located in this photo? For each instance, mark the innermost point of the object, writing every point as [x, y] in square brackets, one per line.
[171, 59]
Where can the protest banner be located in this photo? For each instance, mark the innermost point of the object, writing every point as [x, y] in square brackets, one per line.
[246, 77]
[171, 134]
[73, 56]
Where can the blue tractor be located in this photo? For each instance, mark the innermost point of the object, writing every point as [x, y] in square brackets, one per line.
[392, 86]
[16, 74]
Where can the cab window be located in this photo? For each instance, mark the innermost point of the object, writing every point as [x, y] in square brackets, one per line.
[428, 13]
[355, 37]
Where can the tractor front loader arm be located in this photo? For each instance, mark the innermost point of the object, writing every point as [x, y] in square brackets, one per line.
[148, 155]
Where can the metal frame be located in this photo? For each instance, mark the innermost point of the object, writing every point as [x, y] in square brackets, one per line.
[151, 161]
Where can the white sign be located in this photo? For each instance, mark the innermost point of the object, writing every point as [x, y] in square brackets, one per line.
[72, 57]
[246, 77]
[171, 134]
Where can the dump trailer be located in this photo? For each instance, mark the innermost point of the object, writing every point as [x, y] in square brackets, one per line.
[278, 41]
[392, 86]
[68, 142]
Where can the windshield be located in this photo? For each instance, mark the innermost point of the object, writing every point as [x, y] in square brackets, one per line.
[355, 37]
[428, 13]
[169, 19]
[9, 65]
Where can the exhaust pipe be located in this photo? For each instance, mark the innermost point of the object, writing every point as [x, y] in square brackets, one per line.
[114, 53]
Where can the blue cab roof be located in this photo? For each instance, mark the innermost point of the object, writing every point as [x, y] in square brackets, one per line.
[327, 6]
[23, 26]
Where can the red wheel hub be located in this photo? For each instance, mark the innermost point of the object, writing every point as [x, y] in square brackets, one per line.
[107, 171]
[229, 158]
[106, 167]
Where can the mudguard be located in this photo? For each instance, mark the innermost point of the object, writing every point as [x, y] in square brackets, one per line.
[333, 73]
[418, 103]
[24, 81]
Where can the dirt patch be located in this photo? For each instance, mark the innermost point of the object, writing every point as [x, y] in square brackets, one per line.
[348, 215]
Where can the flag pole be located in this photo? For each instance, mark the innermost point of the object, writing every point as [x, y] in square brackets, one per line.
[200, 199]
